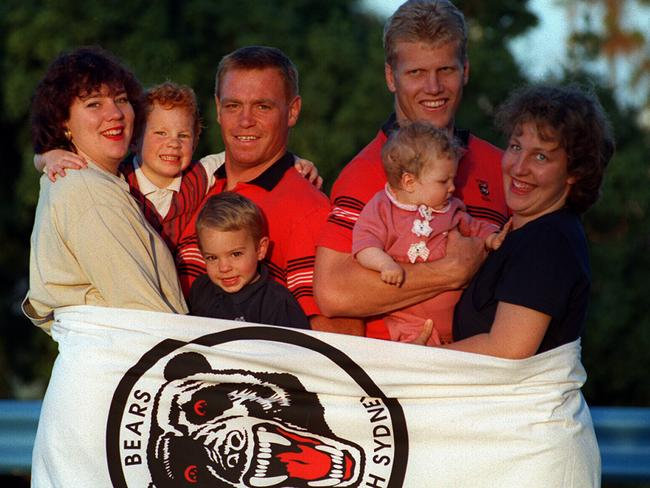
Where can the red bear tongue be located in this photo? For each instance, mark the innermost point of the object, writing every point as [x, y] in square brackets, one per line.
[308, 464]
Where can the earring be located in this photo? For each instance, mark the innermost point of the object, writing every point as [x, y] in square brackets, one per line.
[68, 134]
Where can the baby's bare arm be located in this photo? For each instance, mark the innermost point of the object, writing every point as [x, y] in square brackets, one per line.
[378, 260]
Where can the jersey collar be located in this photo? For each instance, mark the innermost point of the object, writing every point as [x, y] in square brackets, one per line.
[269, 178]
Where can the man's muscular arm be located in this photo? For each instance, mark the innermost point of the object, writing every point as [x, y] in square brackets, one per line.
[344, 288]
[338, 325]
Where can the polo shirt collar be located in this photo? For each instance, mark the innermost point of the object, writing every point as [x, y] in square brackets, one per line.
[145, 185]
[391, 126]
[269, 178]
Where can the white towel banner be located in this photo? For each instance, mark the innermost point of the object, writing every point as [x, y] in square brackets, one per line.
[153, 400]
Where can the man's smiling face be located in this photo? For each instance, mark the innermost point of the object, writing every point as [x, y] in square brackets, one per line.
[427, 82]
[255, 114]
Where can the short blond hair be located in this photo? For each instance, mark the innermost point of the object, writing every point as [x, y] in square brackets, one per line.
[414, 146]
[434, 22]
[257, 58]
[229, 211]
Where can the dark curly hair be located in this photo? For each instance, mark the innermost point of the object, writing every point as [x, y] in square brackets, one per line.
[71, 75]
[576, 119]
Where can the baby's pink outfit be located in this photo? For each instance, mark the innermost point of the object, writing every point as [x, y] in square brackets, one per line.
[410, 234]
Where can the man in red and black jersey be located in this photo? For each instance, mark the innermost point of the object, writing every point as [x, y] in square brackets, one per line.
[257, 100]
[426, 69]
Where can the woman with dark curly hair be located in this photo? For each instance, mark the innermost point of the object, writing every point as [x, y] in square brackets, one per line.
[531, 295]
[91, 244]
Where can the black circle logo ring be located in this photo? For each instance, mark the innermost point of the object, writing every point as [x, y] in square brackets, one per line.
[167, 346]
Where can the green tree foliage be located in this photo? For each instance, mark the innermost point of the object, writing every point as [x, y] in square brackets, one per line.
[618, 227]
[611, 39]
[493, 70]
[618, 325]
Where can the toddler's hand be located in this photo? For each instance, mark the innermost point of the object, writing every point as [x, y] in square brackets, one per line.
[309, 171]
[494, 241]
[56, 161]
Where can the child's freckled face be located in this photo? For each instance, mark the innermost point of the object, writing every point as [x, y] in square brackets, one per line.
[231, 257]
[167, 144]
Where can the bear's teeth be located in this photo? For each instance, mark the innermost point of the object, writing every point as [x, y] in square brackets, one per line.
[333, 451]
[261, 482]
[273, 438]
[325, 482]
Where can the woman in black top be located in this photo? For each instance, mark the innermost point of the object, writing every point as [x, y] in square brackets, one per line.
[531, 295]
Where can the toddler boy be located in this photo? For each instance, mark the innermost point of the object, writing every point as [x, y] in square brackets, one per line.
[233, 242]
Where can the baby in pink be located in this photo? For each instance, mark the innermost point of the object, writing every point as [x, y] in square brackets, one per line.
[409, 220]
